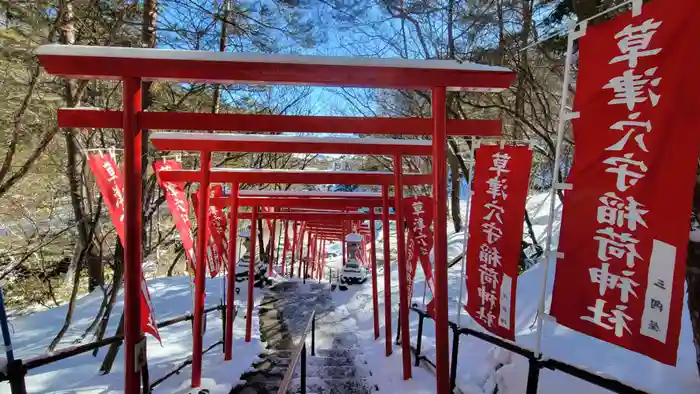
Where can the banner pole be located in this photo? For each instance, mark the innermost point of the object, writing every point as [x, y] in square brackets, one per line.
[462, 279]
[4, 325]
[564, 116]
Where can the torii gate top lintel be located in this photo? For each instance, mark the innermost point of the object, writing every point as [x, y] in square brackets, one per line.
[94, 62]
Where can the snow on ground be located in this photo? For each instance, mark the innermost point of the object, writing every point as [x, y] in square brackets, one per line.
[482, 366]
[387, 372]
[171, 297]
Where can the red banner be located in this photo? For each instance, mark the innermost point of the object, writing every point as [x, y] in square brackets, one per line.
[501, 179]
[360, 253]
[620, 273]
[217, 227]
[109, 180]
[268, 221]
[179, 207]
[216, 231]
[411, 264]
[300, 239]
[419, 216]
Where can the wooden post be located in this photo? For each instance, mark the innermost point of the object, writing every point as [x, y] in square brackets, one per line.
[200, 269]
[401, 261]
[387, 269]
[251, 273]
[231, 280]
[132, 242]
[442, 356]
[373, 262]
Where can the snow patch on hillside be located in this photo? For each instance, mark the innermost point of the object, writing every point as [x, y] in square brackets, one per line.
[171, 297]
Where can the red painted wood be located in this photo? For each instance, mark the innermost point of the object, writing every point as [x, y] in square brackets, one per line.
[442, 357]
[251, 273]
[308, 254]
[294, 248]
[272, 246]
[387, 270]
[315, 215]
[231, 279]
[319, 217]
[401, 261]
[195, 121]
[172, 69]
[343, 247]
[284, 245]
[295, 202]
[255, 176]
[315, 146]
[373, 263]
[200, 267]
[132, 241]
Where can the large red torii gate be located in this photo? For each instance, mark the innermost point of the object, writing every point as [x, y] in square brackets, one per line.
[207, 143]
[307, 206]
[134, 65]
[326, 224]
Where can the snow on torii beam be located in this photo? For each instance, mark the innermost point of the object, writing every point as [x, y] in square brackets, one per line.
[264, 143]
[295, 202]
[316, 217]
[93, 62]
[306, 194]
[308, 177]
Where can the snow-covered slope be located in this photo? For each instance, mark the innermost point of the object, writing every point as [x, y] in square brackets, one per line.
[482, 366]
[171, 298]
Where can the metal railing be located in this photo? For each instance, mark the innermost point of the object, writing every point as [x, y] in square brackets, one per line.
[535, 363]
[337, 275]
[300, 354]
[18, 368]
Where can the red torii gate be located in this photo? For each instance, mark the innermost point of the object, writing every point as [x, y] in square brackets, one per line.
[303, 215]
[306, 205]
[133, 65]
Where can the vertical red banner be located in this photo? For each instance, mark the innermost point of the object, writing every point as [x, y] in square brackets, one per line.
[501, 179]
[179, 207]
[625, 226]
[411, 264]
[217, 245]
[109, 180]
[360, 253]
[217, 228]
[418, 212]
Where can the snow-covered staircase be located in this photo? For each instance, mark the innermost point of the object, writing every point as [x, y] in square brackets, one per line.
[334, 371]
[284, 311]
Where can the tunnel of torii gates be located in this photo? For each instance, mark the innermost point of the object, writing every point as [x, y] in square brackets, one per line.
[133, 66]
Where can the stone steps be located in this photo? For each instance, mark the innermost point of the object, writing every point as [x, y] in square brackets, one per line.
[333, 386]
[284, 312]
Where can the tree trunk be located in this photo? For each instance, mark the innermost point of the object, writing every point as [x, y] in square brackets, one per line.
[148, 37]
[261, 245]
[586, 8]
[530, 230]
[67, 37]
[692, 276]
[106, 366]
[116, 286]
[454, 195]
[524, 64]
[78, 256]
[179, 254]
